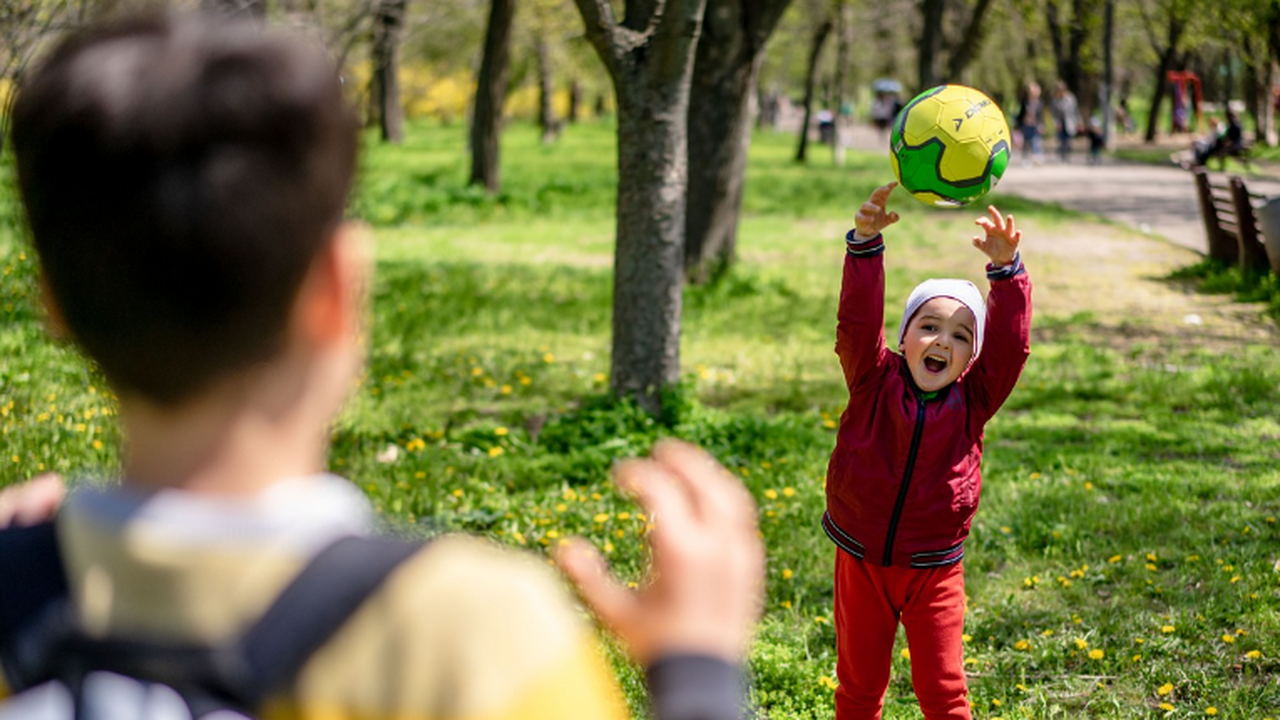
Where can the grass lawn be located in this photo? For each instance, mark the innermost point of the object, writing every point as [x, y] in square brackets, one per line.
[1123, 563]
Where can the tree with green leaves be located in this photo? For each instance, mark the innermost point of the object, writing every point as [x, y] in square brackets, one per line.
[649, 55]
[491, 95]
[726, 67]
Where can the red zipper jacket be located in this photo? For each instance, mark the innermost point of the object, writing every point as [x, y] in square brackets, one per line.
[904, 478]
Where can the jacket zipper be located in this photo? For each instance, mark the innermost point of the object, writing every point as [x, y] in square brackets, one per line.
[906, 481]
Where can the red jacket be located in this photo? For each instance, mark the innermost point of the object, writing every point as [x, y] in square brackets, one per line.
[904, 478]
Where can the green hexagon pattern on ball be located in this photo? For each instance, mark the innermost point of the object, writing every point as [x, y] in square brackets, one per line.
[949, 145]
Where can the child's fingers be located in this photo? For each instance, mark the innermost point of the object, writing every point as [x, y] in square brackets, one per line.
[985, 224]
[995, 215]
[880, 195]
[892, 218]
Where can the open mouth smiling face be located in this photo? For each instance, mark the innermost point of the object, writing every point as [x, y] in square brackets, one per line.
[939, 342]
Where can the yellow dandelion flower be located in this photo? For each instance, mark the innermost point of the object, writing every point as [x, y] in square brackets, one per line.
[787, 574]
[601, 518]
[500, 431]
[553, 534]
[1006, 529]
[1139, 640]
[1137, 658]
[1166, 629]
[1021, 687]
[1151, 557]
[1164, 689]
[786, 604]
[97, 445]
[505, 389]
[1167, 707]
[820, 620]
[1253, 654]
[771, 494]
[561, 507]
[495, 451]
[599, 377]
[828, 423]
[477, 371]
[1228, 639]
[1211, 710]
[608, 547]
[789, 491]
[1088, 485]
[624, 516]
[1046, 633]
[970, 661]
[1081, 643]
[526, 380]
[1235, 579]
[1035, 476]
[1114, 559]
[1151, 566]
[905, 654]
[457, 493]
[995, 702]
[1022, 645]
[548, 358]
[1096, 654]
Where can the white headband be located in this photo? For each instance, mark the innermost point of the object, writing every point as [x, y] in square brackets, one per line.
[962, 291]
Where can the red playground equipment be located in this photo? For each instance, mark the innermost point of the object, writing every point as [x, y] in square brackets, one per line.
[1183, 81]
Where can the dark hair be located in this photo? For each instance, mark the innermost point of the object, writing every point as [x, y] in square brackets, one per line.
[180, 174]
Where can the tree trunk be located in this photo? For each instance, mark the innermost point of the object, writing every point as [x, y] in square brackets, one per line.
[546, 118]
[970, 43]
[491, 94]
[575, 100]
[385, 86]
[651, 82]
[810, 78]
[844, 40]
[1167, 57]
[930, 42]
[724, 76]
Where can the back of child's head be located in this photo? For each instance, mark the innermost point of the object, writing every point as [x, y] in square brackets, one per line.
[180, 174]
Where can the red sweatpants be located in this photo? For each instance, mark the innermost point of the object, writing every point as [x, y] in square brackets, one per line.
[870, 601]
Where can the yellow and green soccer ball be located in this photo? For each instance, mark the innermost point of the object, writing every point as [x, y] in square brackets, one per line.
[950, 146]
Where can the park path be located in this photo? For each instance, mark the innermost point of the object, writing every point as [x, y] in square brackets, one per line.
[1114, 275]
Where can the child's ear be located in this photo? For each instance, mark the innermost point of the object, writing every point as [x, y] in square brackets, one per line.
[331, 302]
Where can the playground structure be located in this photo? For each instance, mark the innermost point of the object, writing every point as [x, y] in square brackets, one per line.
[1183, 81]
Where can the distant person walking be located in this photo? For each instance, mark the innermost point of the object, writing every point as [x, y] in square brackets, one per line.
[1030, 122]
[1066, 115]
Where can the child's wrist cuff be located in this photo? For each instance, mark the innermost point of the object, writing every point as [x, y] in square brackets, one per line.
[1003, 272]
[860, 247]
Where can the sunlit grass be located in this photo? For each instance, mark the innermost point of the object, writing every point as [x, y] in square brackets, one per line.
[1126, 491]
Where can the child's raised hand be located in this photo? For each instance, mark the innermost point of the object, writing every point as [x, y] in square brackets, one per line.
[872, 216]
[1002, 238]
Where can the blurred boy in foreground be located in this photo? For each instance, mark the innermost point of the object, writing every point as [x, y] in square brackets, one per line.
[185, 180]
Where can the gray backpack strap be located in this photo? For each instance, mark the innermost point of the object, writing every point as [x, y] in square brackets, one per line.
[31, 579]
[239, 675]
[318, 602]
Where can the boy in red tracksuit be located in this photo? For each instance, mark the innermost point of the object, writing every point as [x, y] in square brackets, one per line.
[904, 478]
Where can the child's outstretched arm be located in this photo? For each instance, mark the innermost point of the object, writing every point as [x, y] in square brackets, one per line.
[1007, 341]
[860, 317]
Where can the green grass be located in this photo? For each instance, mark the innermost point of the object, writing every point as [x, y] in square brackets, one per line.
[1126, 490]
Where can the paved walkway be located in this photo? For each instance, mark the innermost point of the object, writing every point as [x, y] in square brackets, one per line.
[1154, 199]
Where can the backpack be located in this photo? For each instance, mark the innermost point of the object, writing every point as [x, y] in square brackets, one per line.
[57, 671]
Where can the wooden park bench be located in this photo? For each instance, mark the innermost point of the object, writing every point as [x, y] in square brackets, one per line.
[1230, 223]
